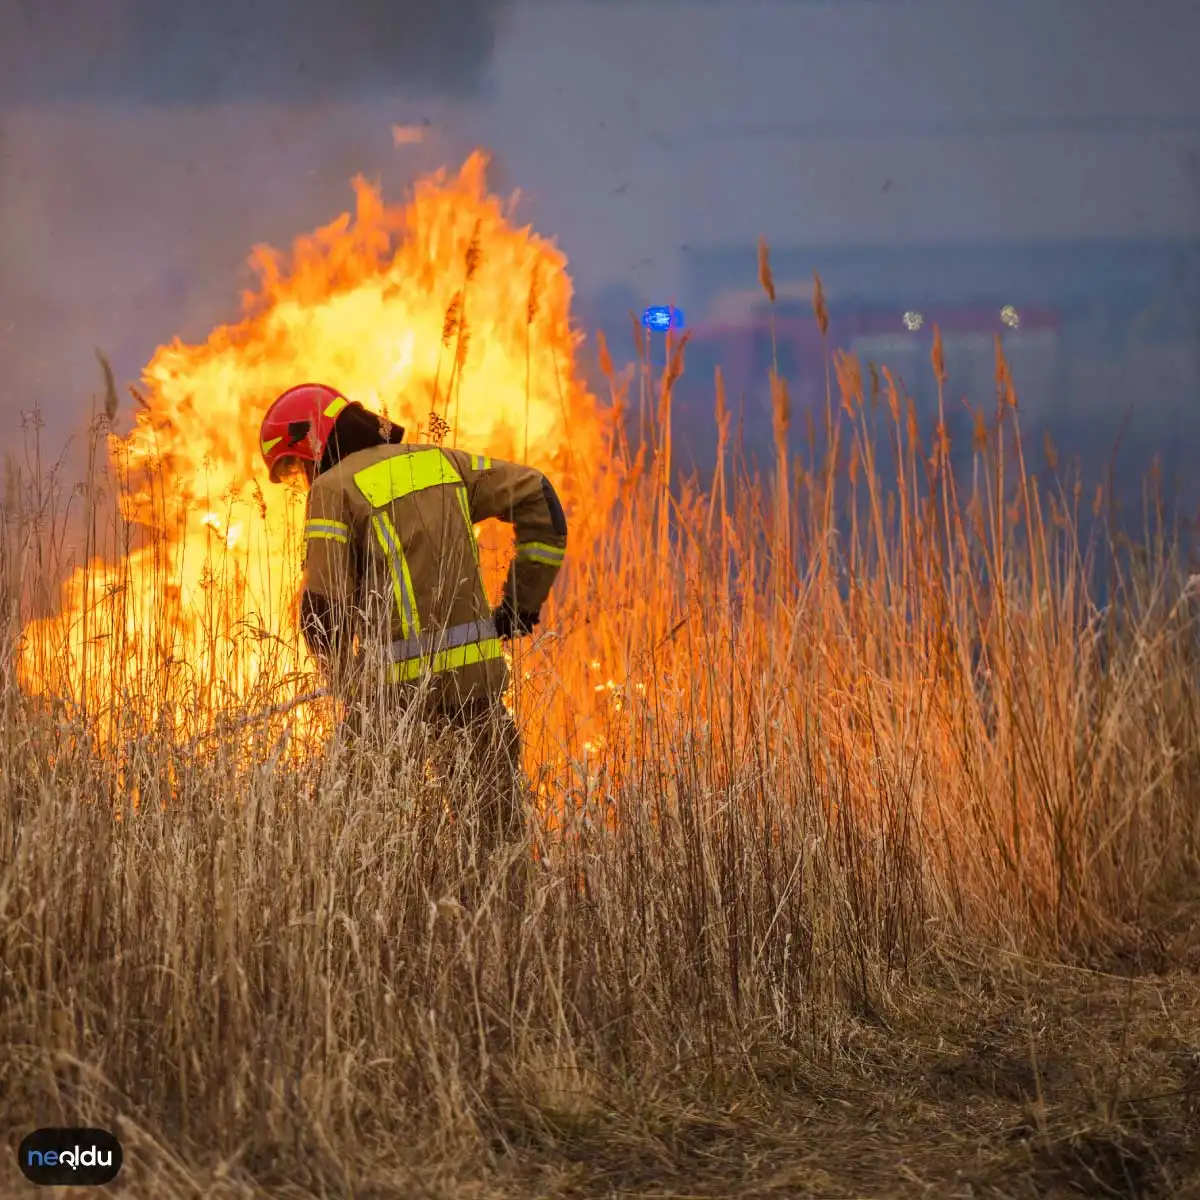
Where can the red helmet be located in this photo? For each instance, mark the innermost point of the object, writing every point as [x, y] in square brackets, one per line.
[297, 426]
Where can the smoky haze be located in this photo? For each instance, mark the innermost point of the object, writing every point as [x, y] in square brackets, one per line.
[944, 156]
[163, 53]
[146, 146]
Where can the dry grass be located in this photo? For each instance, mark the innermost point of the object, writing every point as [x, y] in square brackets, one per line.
[863, 867]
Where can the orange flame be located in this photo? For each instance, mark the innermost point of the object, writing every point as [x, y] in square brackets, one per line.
[440, 311]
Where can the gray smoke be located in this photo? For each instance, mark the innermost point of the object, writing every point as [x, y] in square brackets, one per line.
[168, 52]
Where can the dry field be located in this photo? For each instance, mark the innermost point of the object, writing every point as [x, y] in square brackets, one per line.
[863, 854]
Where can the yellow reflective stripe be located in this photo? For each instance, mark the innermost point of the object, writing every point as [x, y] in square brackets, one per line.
[542, 552]
[338, 531]
[335, 406]
[402, 589]
[465, 505]
[402, 474]
[414, 617]
[391, 479]
[267, 447]
[480, 462]
[447, 660]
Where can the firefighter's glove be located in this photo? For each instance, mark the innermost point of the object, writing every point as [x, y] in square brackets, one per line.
[511, 624]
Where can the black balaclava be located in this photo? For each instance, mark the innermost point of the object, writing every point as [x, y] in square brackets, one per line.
[357, 429]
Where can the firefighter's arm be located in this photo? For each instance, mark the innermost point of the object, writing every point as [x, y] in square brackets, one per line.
[328, 576]
[525, 499]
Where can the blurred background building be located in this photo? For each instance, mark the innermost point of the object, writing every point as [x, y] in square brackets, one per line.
[1107, 332]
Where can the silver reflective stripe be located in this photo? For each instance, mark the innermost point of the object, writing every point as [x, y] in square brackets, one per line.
[442, 639]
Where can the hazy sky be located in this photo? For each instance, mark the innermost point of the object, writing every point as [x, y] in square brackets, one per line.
[130, 195]
[719, 122]
[163, 53]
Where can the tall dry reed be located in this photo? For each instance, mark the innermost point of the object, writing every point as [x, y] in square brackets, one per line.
[782, 753]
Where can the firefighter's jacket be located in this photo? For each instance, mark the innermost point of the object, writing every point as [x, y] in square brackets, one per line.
[389, 540]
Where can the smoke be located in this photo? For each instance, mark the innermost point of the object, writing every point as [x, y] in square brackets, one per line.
[146, 146]
[153, 52]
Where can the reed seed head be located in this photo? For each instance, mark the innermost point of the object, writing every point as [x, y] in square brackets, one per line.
[1050, 451]
[110, 387]
[819, 308]
[453, 316]
[938, 358]
[765, 278]
[606, 364]
[473, 252]
[781, 404]
[849, 379]
[438, 428]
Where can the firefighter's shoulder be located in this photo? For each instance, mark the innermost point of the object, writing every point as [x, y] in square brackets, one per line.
[370, 478]
[328, 491]
[339, 485]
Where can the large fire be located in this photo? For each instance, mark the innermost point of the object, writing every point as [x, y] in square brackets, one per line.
[440, 314]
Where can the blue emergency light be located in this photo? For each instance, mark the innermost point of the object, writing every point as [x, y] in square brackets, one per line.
[661, 317]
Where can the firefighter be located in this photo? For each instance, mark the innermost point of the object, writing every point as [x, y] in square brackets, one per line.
[392, 604]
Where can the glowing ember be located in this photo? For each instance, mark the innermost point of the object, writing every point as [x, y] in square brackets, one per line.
[440, 314]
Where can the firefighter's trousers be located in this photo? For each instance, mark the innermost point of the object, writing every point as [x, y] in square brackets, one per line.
[478, 729]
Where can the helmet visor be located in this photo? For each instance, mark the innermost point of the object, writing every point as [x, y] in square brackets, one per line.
[290, 467]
